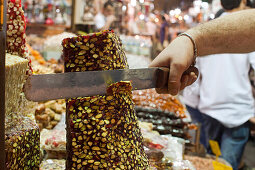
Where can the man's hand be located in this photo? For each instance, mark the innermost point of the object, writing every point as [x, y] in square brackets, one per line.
[213, 37]
[178, 56]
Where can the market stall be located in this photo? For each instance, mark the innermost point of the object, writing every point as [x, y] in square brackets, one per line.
[120, 129]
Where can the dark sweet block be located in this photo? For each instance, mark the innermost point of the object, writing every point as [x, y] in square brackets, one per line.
[99, 51]
[102, 131]
[22, 145]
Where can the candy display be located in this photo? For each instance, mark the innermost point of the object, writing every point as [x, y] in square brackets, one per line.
[201, 162]
[53, 164]
[54, 143]
[165, 102]
[49, 113]
[102, 131]
[165, 112]
[15, 34]
[22, 143]
[160, 150]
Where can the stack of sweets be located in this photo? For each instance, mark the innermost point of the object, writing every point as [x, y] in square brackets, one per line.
[22, 139]
[164, 111]
[102, 131]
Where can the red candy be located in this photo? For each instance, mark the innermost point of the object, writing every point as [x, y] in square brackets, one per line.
[16, 26]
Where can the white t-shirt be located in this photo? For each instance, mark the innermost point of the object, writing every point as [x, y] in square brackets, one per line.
[100, 20]
[225, 91]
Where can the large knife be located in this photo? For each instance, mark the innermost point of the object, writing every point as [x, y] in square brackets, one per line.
[90, 83]
[80, 84]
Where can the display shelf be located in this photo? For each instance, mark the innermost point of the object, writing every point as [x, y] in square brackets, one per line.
[44, 29]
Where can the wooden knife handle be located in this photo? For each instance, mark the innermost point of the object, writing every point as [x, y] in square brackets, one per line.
[163, 75]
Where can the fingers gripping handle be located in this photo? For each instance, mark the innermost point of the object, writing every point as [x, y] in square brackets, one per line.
[191, 70]
[163, 75]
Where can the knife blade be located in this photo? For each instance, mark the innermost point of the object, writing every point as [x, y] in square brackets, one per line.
[90, 83]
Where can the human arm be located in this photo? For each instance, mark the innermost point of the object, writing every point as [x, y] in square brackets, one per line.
[233, 33]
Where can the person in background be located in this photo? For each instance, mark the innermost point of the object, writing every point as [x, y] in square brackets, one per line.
[164, 31]
[225, 102]
[105, 19]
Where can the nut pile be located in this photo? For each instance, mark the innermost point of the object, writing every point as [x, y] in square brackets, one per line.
[48, 114]
[16, 26]
[22, 144]
[102, 131]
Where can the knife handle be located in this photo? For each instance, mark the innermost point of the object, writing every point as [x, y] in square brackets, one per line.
[163, 75]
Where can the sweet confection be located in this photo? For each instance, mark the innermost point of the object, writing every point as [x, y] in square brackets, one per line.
[15, 33]
[102, 131]
[15, 77]
[22, 144]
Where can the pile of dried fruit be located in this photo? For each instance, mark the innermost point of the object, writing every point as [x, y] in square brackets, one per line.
[48, 114]
[102, 131]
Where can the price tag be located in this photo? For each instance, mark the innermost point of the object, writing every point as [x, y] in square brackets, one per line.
[215, 147]
[220, 166]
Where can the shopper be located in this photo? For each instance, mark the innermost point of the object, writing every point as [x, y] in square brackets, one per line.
[164, 31]
[105, 19]
[210, 38]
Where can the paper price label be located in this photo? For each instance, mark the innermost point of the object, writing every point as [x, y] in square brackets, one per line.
[215, 147]
[220, 166]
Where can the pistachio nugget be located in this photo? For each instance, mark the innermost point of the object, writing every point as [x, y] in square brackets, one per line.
[102, 131]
